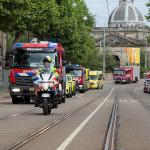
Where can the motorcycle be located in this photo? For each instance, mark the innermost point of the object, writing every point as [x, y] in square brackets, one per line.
[46, 90]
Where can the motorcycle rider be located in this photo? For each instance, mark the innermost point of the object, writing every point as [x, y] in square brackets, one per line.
[48, 67]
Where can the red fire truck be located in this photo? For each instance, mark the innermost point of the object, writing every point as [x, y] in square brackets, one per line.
[25, 59]
[126, 74]
[79, 75]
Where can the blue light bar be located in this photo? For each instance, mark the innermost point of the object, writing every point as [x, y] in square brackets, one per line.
[18, 45]
[52, 45]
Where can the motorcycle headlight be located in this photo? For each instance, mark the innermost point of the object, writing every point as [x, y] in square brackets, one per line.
[45, 86]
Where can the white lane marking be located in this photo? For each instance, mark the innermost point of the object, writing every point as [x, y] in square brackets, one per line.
[81, 126]
[14, 115]
[127, 101]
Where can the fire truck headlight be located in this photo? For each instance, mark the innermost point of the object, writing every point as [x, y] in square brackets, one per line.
[15, 90]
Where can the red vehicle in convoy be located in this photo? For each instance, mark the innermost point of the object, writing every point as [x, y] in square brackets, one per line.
[79, 75]
[126, 74]
[25, 59]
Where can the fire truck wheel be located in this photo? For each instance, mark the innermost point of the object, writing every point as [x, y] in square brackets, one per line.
[59, 100]
[70, 94]
[27, 99]
[15, 100]
[74, 93]
[63, 98]
[98, 87]
[49, 110]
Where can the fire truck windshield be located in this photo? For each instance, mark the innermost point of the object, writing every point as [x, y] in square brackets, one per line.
[31, 59]
[118, 72]
[76, 73]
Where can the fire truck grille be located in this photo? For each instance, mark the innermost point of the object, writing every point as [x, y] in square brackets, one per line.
[24, 81]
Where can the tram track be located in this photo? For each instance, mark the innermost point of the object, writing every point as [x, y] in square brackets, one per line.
[28, 111]
[111, 134]
[42, 130]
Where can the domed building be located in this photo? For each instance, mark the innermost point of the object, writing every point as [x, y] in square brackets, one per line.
[126, 16]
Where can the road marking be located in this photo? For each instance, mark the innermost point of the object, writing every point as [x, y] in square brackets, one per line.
[14, 115]
[127, 101]
[64, 145]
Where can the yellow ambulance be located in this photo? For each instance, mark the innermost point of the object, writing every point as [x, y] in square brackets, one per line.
[96, 79]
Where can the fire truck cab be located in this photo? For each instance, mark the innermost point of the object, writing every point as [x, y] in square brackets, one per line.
[126, 74]
[79, 75]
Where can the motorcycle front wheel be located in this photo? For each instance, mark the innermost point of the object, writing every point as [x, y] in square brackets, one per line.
[46, 109]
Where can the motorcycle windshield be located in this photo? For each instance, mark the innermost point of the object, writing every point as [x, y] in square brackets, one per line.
[46, 77]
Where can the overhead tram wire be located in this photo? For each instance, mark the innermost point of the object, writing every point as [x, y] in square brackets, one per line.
[107, 7]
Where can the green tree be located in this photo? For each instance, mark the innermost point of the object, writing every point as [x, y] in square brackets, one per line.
[12, 13]
[75, 31]
[35, 16]
[110, 62]
[148, 13]
[57, 20]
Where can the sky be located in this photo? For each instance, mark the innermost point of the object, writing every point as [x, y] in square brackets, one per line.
[99, 9]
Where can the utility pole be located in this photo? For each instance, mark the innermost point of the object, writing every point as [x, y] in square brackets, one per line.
[104, 53]
[146, 53]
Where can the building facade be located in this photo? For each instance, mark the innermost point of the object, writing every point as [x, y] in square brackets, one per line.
[126, 15]
[126, 28]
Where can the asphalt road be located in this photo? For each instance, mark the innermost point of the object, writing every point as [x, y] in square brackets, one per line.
[85, 126]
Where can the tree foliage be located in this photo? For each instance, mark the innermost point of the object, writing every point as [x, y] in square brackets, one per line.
[12, 13]
[148, 13]
[65, 21]
[75, 30]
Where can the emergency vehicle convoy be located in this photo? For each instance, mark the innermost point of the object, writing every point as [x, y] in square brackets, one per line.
[126, 74]
[27, 83]
[26, 59]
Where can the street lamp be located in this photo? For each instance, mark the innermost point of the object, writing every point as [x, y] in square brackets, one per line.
[146, 52]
